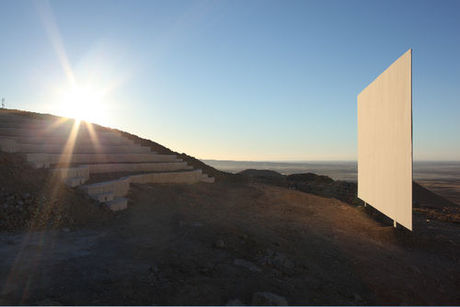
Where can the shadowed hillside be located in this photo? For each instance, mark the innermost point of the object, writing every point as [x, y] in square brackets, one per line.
[254, 238]
[33, 198]
[424, 200]
[155, 146]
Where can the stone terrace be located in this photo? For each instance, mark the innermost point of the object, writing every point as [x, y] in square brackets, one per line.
[73, 152]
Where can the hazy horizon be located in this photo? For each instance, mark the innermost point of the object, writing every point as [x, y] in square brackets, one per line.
[438, 175]
[306, 161]
[234, 80]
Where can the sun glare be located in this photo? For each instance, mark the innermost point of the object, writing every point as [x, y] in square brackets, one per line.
[82, 103]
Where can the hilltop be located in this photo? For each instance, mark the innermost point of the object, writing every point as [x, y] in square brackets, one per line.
[33, 198]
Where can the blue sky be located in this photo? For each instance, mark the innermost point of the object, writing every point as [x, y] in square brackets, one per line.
[241, 80]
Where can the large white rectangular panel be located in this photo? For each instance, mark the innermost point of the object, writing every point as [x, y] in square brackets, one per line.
[385, 142]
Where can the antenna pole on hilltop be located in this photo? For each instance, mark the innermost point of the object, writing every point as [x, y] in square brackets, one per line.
[3, 102]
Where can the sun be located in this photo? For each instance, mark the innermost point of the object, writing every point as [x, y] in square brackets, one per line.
[82, 103]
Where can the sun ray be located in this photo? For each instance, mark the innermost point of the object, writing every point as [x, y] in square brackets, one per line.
[57, 123]
[49, 22]
[54, 184]
[93, 137]
[66, 155]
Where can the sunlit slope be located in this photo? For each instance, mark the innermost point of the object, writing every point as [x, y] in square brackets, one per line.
[101, 161]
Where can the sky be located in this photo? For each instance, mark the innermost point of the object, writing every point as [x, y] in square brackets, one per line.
[234, 80]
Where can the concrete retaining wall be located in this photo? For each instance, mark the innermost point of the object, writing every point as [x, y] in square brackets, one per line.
[117, 187]
[22, 123]
[71, 172]
[192, 176]
[48, 132]
[207, 179]
[120, 187]
[58, 148]
[99, 158]
[117, 204]
[8, 145]
[28, 124]
[138, 167]
[62, 140]
[75, 181]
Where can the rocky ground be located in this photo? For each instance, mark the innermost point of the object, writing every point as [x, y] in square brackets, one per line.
[432, 205]
[232, 243]
[30, 199]
[256, 238]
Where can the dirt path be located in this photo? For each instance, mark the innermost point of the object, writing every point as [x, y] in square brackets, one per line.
[208, 244]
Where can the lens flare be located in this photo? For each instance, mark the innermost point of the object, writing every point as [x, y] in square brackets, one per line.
[82, 103]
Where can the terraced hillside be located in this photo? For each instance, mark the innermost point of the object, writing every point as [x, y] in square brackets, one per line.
[100, 161]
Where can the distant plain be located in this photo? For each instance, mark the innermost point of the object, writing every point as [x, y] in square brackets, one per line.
[442, 177]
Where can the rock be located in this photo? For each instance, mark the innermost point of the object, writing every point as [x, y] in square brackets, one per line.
[49, 302]
[270, 252]
[415, 269]
[247, 264]
[220, 243]
[65, 229]
[265, 260]
[357, 297]
[234, 302]
[154, 269]
[268, 299]
[281, 261]
[278, 260]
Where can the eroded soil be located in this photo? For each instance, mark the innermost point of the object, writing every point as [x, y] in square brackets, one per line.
[207, 244]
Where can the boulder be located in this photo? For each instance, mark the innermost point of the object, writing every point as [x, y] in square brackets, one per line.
[268, 299]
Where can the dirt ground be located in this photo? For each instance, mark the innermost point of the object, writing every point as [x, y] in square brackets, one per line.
[32, 199]
[208, 244]
[449, 189]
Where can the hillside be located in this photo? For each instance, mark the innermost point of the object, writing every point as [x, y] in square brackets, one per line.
[424, 200]
[154, 146]
[255, 238]
[33, 198]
